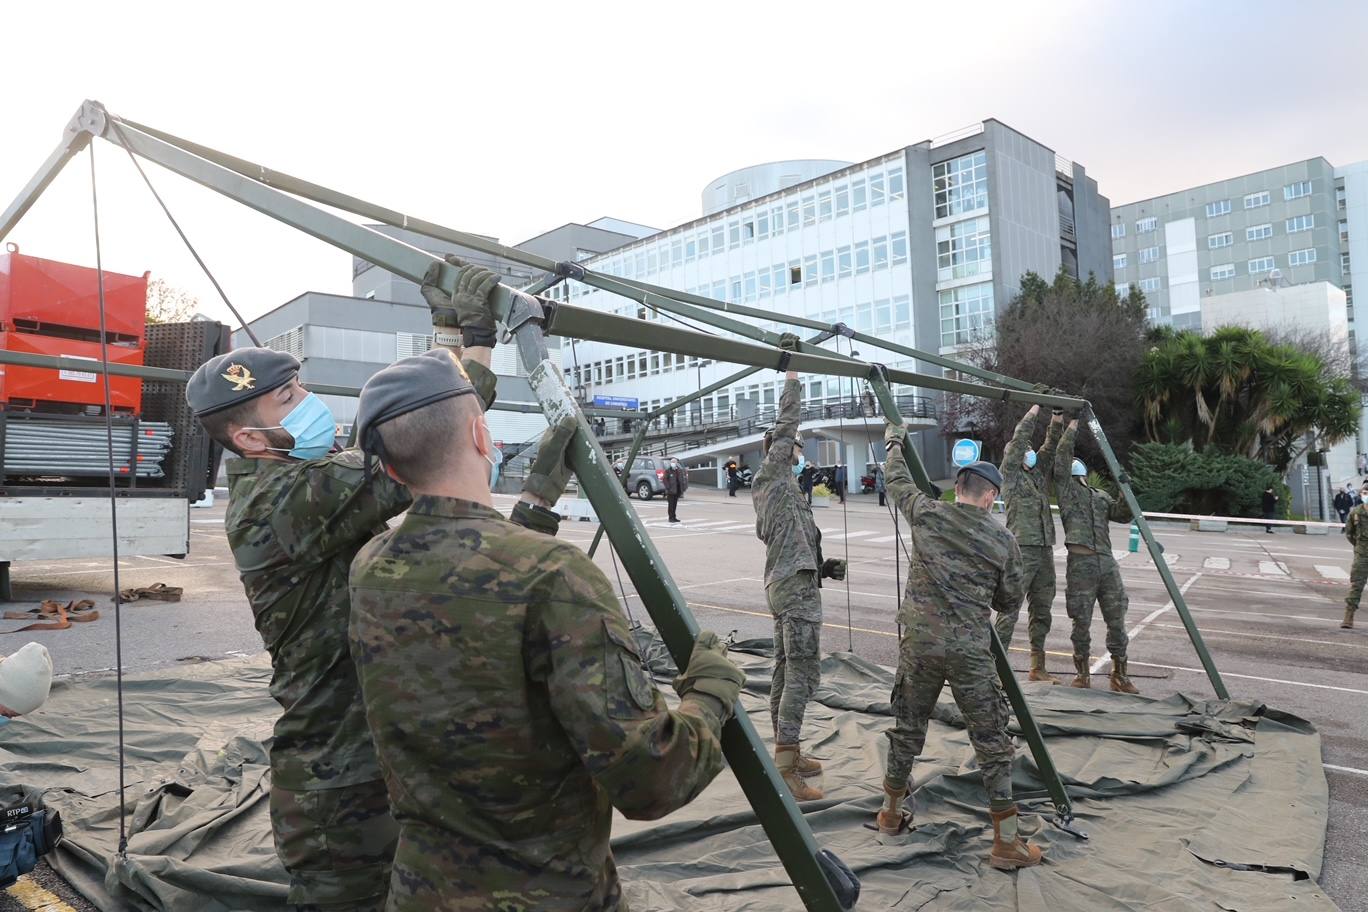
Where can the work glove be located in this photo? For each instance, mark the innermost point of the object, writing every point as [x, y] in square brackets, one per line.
[834, 568]
[710, 672]
[895, 435]
[469, 306]
[550, 472]
[790, 342]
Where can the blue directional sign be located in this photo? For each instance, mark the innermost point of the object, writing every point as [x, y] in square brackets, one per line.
[965, 452]
[618, 402]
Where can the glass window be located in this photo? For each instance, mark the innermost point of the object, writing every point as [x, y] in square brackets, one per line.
[1149, 254]
[828, 266]
[842, 200]
[960, 185]
[966, 313]
[655, 362]
[750, 286]
[902, 311]
[857, 194]
[733, 235]
[1301, 223]
[748, 230]
[1255, 200]
[880, 248]
[1118, 230]
[1216, 241]
[1344, 231]
[690, 250]
[735, 289]
[809, 210]
[876, 189]
[1146, 225]
[780, 275]
[1302, 257]
[1344, 263]
[1297, 190]
[1151, 285]
[1219, 207]
[1339, 198]
[652, 262]
[864, 319]
[792, 216]
[703, 244]
[845, 264]
[795, 273]
[1118, 261]
[823, 205]
[1224, 271]
[762, 280]
[1122, 289]
[762, 224]
[777, 219]
[810, 269]
[1258, 232]
[897, 188]
[964, 249]
[883, 316]
[898, 245]
[1262, 264]
[862, 257]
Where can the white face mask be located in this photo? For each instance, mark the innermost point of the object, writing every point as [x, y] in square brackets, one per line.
[475, 438]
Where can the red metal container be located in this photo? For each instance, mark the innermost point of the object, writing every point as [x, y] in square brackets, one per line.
[45, 389]
[52, 298]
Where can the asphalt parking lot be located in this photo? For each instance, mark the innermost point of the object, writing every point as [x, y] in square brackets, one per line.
[1268, 605]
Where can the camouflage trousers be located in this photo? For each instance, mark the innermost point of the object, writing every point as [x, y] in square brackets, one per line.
[969, 669]
[797, 609]
[1096, 579]
[1358, 575]
[336, 844]
[1038, 576]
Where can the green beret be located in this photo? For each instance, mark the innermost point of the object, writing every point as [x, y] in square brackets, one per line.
[407, 385]
[239, 376]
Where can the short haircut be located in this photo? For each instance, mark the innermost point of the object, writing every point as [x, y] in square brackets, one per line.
[221, 424]
[973, 484]
[421, 445]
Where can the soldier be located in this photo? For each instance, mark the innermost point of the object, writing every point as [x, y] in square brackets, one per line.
[296, 517]
[502, 684]
[1356, 530]
[1091, 573]
[1027, 480]
[963, 563]
[793, 570]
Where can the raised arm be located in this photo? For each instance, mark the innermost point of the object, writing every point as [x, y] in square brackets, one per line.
[1021, 439]
[1045, 457]
[898, 483]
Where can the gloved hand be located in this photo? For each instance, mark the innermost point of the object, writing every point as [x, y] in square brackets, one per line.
[895, 435]
[711, 673]
[468, 307]
[1041, 388]
[549, 472]
[790, 342]
[833, 568]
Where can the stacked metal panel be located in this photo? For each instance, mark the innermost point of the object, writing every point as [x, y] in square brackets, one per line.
[42, 447]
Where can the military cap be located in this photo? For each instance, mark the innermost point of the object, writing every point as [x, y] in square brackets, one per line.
[407, 385]
[239, 376]
[985, 470]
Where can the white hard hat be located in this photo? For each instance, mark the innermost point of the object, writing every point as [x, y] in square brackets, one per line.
[1079, 468]
[25, 678]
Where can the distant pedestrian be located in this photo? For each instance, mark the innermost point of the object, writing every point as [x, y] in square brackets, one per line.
[879, 484]
[676, 483]
[1270, 507]
[841, 481]
[733, 478]
[1363, 463]
[669, 420]
[1344, 502]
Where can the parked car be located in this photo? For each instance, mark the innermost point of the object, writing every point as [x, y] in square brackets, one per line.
[647, 478]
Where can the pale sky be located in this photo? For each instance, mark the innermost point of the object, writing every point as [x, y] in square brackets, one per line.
[509, 119]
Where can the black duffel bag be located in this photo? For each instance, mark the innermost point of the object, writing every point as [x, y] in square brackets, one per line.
[28, 831]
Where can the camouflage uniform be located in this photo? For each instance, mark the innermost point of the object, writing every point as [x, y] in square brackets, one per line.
[1027, 494]
[511, 714]
[1356, 530]
[963, 563]
[294, 527]
[783, 521]
[1091, 576]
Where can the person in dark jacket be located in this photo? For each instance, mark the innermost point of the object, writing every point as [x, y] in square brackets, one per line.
[676, 483]
[1344, 502]
[733, 478]
[841, 481]
[1270, 507]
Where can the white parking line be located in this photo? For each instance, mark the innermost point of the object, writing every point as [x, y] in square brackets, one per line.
[1330, 571]
[849, 535]
[1231, 674]
[881, 540]
[1345, 769]
[1272, 568]
[1216, 563]
[1210, 631]
[1148, 619]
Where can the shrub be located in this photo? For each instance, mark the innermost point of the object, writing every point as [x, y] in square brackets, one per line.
[1173, 478]
[821, 490]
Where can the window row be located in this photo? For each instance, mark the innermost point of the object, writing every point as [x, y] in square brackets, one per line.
[1147, 255]
[960, 185]
[1294, 190]
[964, 250]
[1260, 265]
[966, 314]
[1148, 286]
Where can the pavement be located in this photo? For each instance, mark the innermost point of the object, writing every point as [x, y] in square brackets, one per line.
[1268, 607]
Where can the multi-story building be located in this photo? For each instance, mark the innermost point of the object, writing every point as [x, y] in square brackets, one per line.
[1292, 223]
[342, 340]
[921, 246]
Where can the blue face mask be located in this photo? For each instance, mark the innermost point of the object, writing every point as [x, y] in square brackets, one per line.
[311, 425]
[802, 461]
[1030, 460]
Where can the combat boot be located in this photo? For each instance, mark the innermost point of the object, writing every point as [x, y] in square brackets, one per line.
[1119, 682]
[786, 758]
[1010, 851]
[1084, 677]
[1038, 672]
[893, 818]
[1348, 622]
[807, 767]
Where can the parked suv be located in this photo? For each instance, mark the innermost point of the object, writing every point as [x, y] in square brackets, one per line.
[647, 478]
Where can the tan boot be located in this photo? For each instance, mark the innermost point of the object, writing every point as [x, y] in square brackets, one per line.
[1038, 672]
[807, 767]
[893, 819]
[1010, 851]
[1119, 682]
[1348, 622]
[786, 758]
[1084, 677]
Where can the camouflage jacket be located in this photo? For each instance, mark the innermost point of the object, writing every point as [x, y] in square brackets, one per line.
[963, 564]
[511, 713]
[1027, 491]
[1085, 511]
[294, 528]
[1356, 529]
[783, 517]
